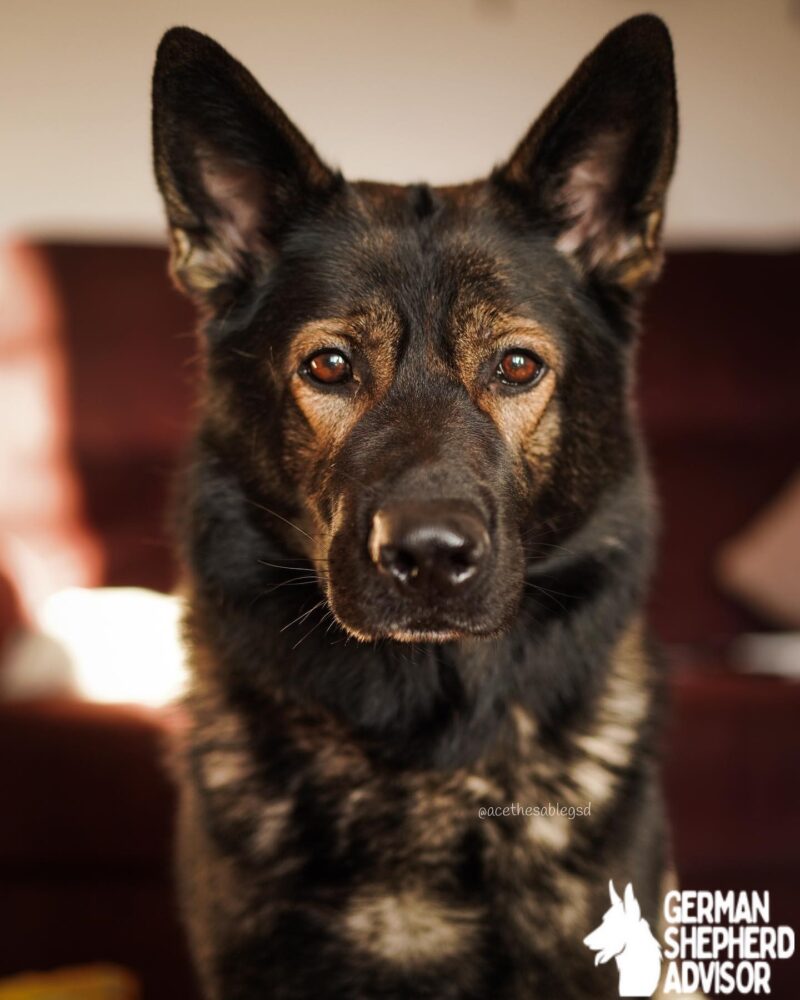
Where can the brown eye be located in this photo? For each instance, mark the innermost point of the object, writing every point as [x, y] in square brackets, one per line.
[520, 367]
[328, 368]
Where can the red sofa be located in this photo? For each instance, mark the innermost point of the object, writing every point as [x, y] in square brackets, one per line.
[85, 842]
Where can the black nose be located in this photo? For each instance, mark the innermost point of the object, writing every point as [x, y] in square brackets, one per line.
[434, 546]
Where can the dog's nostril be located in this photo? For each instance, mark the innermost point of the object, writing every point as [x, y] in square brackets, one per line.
[463, 564]
[399, 563]
[435, 546]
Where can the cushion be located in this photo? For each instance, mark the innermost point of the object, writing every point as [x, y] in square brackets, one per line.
[761, 565]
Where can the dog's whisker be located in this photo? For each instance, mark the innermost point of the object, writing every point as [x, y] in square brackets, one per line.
[262, 594]
[549, 545]
[312, 629]
[538, 604]
[296, 582]
[549, 590]
[295, 569]
[547, 593]
[288, 560]
[303, 616]
[274, 513]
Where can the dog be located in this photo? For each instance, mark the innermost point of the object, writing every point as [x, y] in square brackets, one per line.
[417, 530]
[626, 937]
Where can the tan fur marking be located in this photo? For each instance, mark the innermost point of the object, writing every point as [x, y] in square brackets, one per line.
[608, 742]
[484, 329]
[550, 832]
[520, 417]
[228, 774]
[374, 332]
[480, 786]
[525, 727]
[573, 915]
[212, 888]
[593, 781]
[273, 817]
[224, 767]
[410, 927]
[436, 817]
[526, 420]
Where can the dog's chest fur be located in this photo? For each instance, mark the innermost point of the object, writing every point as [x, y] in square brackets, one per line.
[410, 880]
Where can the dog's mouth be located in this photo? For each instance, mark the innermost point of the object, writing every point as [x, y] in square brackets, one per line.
[424, 633]
[417, 634]
[418, 631]
[408, 635]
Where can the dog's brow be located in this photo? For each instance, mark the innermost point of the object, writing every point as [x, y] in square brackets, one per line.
[504, 323]
[360, 324]
[324, 332]
[494, 323]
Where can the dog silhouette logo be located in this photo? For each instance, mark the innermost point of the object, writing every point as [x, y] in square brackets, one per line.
[625, 936]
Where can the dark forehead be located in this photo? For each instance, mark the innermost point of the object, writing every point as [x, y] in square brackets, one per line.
[428, 254]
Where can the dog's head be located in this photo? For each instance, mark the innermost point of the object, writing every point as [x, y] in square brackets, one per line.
[430, 384]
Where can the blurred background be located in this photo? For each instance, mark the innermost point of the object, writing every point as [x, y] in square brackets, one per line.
[96, 373]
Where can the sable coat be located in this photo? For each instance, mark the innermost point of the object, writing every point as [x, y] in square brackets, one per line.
[373, 352]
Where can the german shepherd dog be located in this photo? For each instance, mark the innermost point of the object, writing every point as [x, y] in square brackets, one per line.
[417, 530]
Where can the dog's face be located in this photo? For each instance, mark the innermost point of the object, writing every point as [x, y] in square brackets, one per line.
[430, 384]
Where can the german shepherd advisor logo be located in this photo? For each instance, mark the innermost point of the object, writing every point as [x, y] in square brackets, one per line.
[625, 936]
[416, 530]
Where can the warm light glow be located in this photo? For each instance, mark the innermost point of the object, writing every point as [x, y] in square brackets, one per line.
[123, 642]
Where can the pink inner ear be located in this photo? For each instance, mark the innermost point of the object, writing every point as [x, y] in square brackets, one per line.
[238, 192]
[593, 229]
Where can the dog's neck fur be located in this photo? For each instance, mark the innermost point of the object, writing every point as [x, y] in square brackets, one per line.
[440, 705]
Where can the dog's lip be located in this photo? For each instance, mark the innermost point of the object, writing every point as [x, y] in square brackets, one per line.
[418, 631]
[407, 625]
[409, 634]
[414, 630]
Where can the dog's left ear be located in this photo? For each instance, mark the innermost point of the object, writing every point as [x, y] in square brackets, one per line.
[594, 168]
[234, 172]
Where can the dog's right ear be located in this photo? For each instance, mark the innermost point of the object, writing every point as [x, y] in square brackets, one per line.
[234, 172]
[594, 168]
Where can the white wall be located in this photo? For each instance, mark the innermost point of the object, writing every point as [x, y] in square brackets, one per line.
[395, 89]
